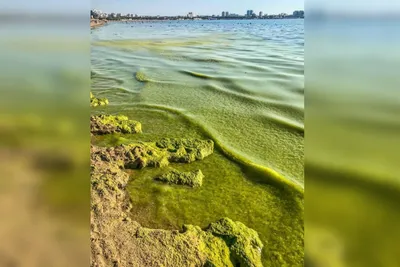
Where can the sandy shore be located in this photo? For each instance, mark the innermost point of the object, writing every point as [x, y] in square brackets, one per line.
[97, 23]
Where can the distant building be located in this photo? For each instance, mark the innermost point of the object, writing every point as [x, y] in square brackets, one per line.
[223, 14]
[226, 14]
[190, 15]
[249, 13]
[298, 14]
[261, 14]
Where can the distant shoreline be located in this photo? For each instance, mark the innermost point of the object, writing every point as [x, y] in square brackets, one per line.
[94, 23]
[168, 19]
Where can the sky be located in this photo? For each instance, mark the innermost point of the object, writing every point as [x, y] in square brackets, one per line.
[199, 7]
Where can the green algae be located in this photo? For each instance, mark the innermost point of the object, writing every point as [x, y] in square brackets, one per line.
[276, 212]
[223, 243]
[138, 155]
[239, 187]
[192, 179]
[186, 149]
[141, 77]
[94, 101]
[239, 246]
[243, 242]
[198, 129]
[152, 44]
[106, 124]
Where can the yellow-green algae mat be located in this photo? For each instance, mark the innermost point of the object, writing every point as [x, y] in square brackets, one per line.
[94, 101]
[276, 214]
[229, 189]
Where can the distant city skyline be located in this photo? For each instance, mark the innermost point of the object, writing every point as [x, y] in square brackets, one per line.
[198, 7]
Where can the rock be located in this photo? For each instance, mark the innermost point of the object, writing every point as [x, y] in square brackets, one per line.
[141, 77]
[94, 102]
[108, 124]
[216, 251]
[159, 154]
[244, 244]
[186, 150]
[192, 179]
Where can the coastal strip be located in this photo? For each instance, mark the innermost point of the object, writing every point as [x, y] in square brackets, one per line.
[94, 23]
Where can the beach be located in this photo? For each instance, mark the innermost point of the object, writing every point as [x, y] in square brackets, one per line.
[97, 23]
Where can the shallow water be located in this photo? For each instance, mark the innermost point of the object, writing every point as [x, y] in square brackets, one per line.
[237, 82]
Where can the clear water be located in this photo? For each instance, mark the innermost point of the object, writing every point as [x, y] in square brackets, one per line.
[240, 83]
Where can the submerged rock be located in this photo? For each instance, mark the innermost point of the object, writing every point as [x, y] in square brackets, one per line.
[186, 150]
[107, 124]
[94, 101]
[243, 242]
[192, 179]
[156, 154]
[141, 77]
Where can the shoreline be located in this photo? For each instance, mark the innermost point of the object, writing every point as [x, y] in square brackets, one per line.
[112, 225]
[95, 23]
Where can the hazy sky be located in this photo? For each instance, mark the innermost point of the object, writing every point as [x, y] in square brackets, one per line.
[200, 7]
[208, 7]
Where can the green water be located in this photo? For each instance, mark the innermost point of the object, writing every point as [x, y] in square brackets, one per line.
[241, 89]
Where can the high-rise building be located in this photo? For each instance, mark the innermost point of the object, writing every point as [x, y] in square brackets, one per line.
[249, 13]
[223, 13]
[226, 13]
[260, 14]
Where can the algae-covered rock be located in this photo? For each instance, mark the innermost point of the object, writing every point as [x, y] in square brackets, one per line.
[94, 101]
[157, 154]
[141, 76]
[186, 150]
[192, 179]
[107, 124]
[244, 244]
[216, 251]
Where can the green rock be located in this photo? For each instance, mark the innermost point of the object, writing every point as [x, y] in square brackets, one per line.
[94, 102]
[143, 155]
[186, 150]
[141, 77]
[244, 244]
[192, 179]
[216, 251]
[157, 154]
[107, 124]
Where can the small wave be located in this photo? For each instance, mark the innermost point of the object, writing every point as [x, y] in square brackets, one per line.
[283, 122]
[196, 74]
[99, 78]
